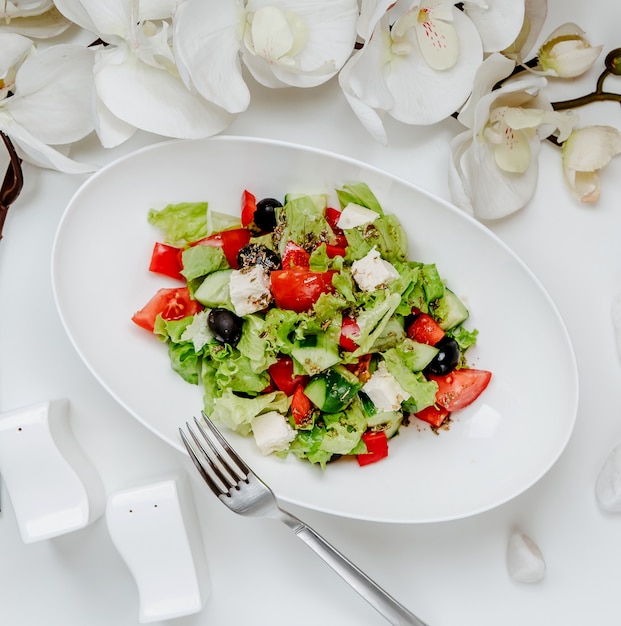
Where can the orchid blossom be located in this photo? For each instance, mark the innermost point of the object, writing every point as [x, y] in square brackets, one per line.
[417, 65]
[566, 53]
[281, 42]
[48, 100]
[494, 165]
[586, 151]
[136, 80]
[499, 22]
[535, 13]
[38, 19]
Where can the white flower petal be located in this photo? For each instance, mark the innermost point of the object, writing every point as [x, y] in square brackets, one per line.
[331, 34]
[207, 48]
[41, 26]
[535, 13]
[14, 49]
[459, 185]
[33, 150]
[155, 100]
[591, 148]
[426, 96]
[437, 37]
[371, 12]
[54, 94]
[498, 21]
[109, 19]
[157, 9]
[111, 130]
[495, 193]
[493, 69]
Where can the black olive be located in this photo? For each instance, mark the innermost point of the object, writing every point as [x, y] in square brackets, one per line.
[447, 358]
[258, 254]
[226, 326]
[265, 214]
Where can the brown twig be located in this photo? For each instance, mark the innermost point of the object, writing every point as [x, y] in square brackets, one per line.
[12, 183]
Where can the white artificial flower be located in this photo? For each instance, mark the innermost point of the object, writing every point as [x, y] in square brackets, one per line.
[38, 19]
[283, 43]
[494, 165]
[136, 80]
[535, 13]
[14, 50]
[51, 105]
[499, 22]
[586, 151]
[566, 53]
[417, 65]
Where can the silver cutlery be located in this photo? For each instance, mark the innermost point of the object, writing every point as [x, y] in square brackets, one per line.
[237, 486]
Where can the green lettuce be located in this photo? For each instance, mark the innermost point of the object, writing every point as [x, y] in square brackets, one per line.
[359, 193]
[181, 223]
[422, 391]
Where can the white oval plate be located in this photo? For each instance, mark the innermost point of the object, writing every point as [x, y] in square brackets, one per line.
[493, 451]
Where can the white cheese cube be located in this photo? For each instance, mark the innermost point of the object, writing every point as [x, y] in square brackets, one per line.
[355, 215]
[272, 432]
[384, 389]
[371, 272]
[249, 289]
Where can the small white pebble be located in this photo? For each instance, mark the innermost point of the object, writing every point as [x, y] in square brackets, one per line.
[616, 320]
[608, 484]
[525, 562]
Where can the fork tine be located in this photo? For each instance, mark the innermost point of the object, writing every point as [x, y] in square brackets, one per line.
[217, 489]
[214, 460]
[241, 465]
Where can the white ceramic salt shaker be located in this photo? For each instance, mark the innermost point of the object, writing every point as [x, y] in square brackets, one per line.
[155, 528]
[53, 487]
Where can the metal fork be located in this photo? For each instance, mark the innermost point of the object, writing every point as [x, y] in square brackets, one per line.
[235, 484]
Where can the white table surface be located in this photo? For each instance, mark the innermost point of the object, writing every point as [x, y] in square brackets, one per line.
[450, 574]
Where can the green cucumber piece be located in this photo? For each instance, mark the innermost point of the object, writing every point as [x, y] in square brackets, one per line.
[214, 290]
[388, 421]
[454, 311]
[315, 353]
[332, 391]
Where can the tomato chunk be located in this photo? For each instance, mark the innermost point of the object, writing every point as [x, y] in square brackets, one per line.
[433, 415]
[349, 331]
[294, 256]
[424, 329]
[377, 447]
[460, 388]
[165, 259]
[283, 376]
[332, 217]
[248, 208]
[301, 407]
[231, 241]
[171, 303]
[297, 289]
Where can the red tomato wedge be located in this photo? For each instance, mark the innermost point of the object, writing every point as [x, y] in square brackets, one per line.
[283, 376]
[248, 208]
[433, 415]
[349, 331]
[297, 289]
[294, 256]
[171, 303]
[165, 260]
[301, 407]
[424, 329]
[231, 242]
[460, 388]
[332, 217]
[377, 447]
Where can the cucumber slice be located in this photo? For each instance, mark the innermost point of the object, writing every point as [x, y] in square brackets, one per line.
[453, 311]
[419, 355]
[388, 421]
[332, 390]
[316, 354]
[214, 290]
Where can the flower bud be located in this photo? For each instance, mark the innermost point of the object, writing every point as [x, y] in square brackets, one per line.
[566, 53]
[586, 151]
[613, 61]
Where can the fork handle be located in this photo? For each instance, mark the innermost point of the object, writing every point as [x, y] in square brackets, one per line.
[383, 602]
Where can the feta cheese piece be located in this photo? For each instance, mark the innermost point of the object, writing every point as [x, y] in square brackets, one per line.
[384, 389]
[272, 432]
[197, 331]
[371, 272]
[249, 289]
[355, 215]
